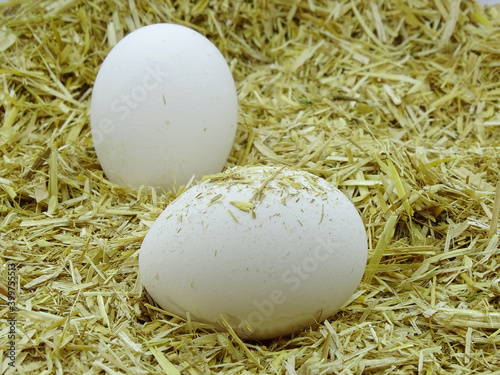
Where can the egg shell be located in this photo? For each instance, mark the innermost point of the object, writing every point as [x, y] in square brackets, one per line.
[271, 250]
[164, 108]
[488, 2]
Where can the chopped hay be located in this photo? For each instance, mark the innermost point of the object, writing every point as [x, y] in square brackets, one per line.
[396, 104]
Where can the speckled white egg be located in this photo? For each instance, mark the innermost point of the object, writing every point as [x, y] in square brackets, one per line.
[271, 250]
[163, 108]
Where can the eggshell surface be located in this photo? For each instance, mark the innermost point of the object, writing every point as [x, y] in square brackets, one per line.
[271, 250]
[163, 108]
[488, 2]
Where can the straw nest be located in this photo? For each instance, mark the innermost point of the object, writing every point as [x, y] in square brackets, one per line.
[396, 103]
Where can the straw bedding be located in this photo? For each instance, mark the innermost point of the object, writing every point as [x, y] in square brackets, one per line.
[394, 102]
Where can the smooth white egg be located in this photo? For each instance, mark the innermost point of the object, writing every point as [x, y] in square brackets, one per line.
[163, 108]
[271, 250]
[488, 2]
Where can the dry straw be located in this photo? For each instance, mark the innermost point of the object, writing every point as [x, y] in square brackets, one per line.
[394, 102]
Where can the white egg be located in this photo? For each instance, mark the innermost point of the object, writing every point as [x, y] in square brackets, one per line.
[488, 2]
[271, 250]
[164, 108]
